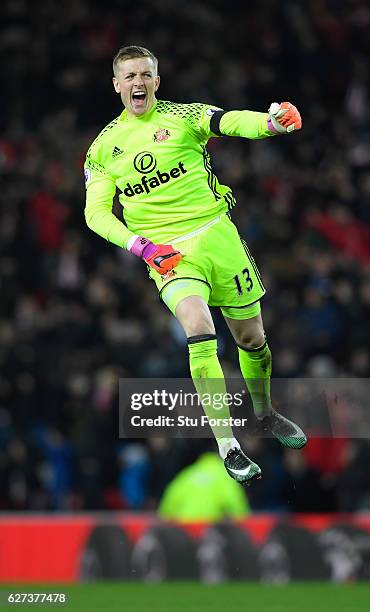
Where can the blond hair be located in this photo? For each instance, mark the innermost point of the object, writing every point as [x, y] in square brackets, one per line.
[132, 52]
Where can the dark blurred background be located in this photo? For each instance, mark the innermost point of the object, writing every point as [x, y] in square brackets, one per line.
[76, 313]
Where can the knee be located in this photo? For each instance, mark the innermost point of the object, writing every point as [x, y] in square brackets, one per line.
[251, 338]
[199, 327]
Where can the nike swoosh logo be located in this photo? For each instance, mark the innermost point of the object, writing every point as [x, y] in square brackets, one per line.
[243, 472]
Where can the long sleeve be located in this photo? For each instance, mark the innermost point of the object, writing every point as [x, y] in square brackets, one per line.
[213, 121]
[100, 191]
[245, 123]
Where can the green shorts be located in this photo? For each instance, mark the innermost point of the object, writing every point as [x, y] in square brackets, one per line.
[217, 266]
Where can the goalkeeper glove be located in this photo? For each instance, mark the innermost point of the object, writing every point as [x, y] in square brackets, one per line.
[283, 118]
[162, 257]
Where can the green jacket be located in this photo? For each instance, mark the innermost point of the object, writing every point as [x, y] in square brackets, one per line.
[203, 492]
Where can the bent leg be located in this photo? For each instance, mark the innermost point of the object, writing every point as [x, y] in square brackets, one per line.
[255, 364]
[254, 359]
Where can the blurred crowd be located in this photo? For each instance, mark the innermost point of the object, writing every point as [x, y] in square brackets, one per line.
[77, 314]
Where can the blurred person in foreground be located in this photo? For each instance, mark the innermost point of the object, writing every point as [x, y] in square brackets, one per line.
[200, 492]
[177, 218]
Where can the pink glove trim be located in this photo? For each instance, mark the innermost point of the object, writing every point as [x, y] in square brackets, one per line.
[271, 127]
[143, 247]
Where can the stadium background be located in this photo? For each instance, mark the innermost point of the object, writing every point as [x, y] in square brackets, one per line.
[77, 313]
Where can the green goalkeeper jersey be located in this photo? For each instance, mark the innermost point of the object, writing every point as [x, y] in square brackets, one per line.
[160, 165]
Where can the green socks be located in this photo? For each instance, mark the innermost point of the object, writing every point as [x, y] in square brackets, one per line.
[256, 366]
[209, 381]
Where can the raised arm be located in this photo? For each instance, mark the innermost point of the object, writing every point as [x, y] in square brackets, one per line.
[281, 119]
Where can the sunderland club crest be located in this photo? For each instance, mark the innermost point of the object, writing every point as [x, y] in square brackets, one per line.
[161, 135]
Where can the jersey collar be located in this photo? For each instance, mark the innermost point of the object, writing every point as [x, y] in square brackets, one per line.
[125, 117]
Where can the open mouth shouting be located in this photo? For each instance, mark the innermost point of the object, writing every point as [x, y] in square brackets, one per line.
[138, 99]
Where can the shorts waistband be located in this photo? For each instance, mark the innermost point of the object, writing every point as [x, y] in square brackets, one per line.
[199, 230]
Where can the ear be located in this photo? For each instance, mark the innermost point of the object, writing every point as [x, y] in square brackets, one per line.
[116, 85]
[157, 82]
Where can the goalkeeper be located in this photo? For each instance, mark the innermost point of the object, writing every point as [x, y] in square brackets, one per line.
[177, 219]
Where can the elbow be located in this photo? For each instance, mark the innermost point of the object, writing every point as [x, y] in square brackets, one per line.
[88, 218]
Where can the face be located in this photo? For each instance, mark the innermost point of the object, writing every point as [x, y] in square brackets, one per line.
[136, 81]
